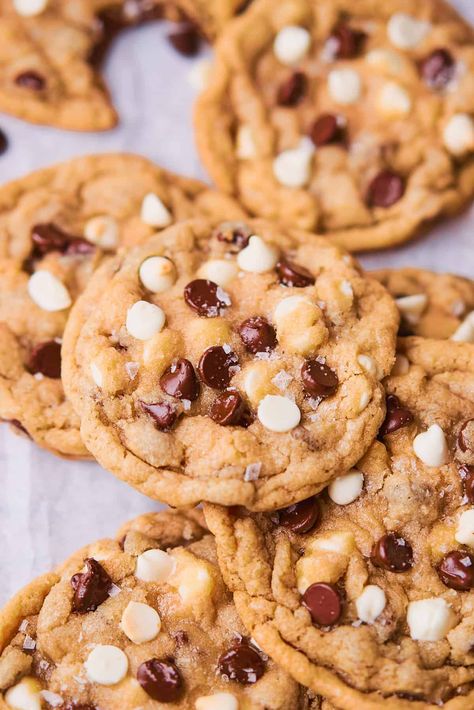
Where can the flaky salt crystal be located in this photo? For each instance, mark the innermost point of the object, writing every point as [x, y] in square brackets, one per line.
[252, 472]
[132, 369]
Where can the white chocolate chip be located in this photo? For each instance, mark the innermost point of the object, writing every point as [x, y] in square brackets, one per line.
[97, 375]
[465, 332]
[385, 60]
[405, 31]
[291, 44]
[25, 695]
[53, 699]
[430, 619]
[371, 603]
[106, 665]
[245, 147]
[258, 256]
[401, 365]
[140, 622]
[345, 489]
[368, 364]
[292, 167]
[458, 134]
[192, 578]
[154, 212]
[102, 231]
[431, 447]
[412, 307]
[157, 273]
[200, 74]
[144, 320]
[345, 86]
[465, 529]
[364, 400]
[218, 701]
[154, 566]
[278, 413]
[287, 305]
[30, 8]
[221, 271]
[48, 292]
[393, 100]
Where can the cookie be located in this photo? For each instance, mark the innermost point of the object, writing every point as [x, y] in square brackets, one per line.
[144, 622]
[365, 592]
[235, 363]
[352, 119]
[56, 225]
[431, 305]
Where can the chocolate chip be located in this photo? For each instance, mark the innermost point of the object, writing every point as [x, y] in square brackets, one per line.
[45, 358]
[185, 39]
[229, 409]
[293, 275]
[326, 129]
[180, 381]
[74, 706]
[91, 588]
[347, 43]
[163, 414]
[466, 436]
[217, 366]
[30, 80]
[301, 517]
[456, 570]
[392, 552]
[318, 379]
[161, 680]
[385, 190]
[3, 142]
[258, 335]
[467, 475]
[396, 417]
[324, 603]
[48, 237]
[241, 663]
[292, 90]
[205, 297]
[235, 233]
[438, 68]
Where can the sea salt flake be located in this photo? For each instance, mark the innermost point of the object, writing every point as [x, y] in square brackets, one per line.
[314, 402]
[321, 359]
[252, 472]
[226, 348]
[79, 680]
[357, 623]
[186, 404]
[23, 626]
[282, 379]
[458, 308]
[38, 376]
[132, 369]
[223, 296]
[114, 590]
[29, 644]
[51, 698]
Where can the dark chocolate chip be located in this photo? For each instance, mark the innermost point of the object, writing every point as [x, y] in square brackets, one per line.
[163, 414]
[292, 90]
[324, 603]
[466, 436]
[456, 570]
[185, 39]
[45, 358]
[217, 366]
[242, 663]
[91, 588]
[258, 335]
[229, 409]
[206, 298]
[386, 189]
[397, 416]
[77, 706]
[301, 517]
[438, 68]
[236, 234]
[318, 379]
[30, 80]
[161, 680]
[467, 475]
[48, 237]
[180, 381]
[326, 129]
[393, 553]
[293, 275]
[3, 142]
[347, 43]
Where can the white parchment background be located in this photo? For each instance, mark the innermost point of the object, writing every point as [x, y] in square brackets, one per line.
[49, 507]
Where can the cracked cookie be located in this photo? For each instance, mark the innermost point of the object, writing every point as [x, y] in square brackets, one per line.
[145, 621]
[365, 592]
[355, 120]
[236, 363]
[56, 225]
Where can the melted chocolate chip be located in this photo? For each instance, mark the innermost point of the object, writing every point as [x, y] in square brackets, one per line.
[75, 706]
[326, 129]
[466, 436]
[324, 603]
[347, 42]
[205, 297]
[180, 381]
[185, 39]
[30, 80]
[467, 475]
[292, 90]
[393, 553]
[45, 358]
[318, 379]
[385, 190]
[438, 68]
[229, 409]
[301, 517]
[456, 570]
[3, 142]
[293, 275]
[258, 335]
[91, 588]
[242, 663]
[163, 414]
[48, 237]
[217, 366]
[396, 417]
[235, 233]
[161, 680]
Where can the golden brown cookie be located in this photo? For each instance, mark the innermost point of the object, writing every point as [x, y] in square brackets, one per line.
[352, 119]
[431, 305]
[365, 593]
[145, 622]
[237, 363]
[56, 225]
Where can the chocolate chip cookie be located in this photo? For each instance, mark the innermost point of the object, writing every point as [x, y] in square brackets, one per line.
[353, 119]
[237, 363]
[145, 621]
[365, 592]
[56, 225]
[431, 305]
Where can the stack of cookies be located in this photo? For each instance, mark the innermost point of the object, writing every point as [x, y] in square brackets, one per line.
[221, 346]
